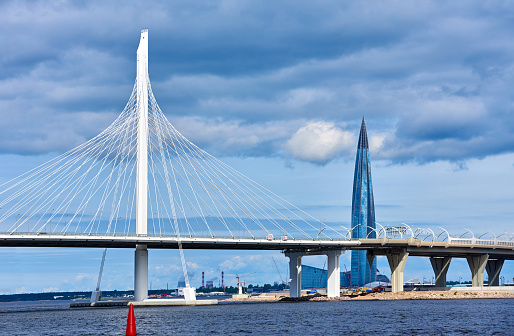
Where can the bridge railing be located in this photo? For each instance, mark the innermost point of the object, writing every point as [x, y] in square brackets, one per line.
[383, 233]
[439, 235]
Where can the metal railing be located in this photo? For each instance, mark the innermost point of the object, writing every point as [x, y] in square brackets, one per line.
[383, 233]
[440, 235]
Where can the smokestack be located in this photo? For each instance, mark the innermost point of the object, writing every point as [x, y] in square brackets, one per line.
[203, 279]
[222, 279]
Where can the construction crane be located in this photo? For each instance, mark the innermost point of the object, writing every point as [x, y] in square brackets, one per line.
[239, 285]
[280, 275]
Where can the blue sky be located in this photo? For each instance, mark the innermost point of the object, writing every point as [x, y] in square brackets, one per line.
[278, 92]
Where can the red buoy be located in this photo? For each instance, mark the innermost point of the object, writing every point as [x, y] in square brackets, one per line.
[131, 322]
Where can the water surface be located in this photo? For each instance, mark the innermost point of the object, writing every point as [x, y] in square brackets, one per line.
[419, 317]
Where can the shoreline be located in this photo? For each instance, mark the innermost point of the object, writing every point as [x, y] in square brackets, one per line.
[388, 296]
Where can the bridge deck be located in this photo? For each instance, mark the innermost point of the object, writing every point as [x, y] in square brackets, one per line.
[415, 247]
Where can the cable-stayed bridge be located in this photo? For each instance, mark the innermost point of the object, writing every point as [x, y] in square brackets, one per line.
[142, 177]
[141, 184]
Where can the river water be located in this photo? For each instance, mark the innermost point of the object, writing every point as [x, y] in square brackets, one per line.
[420, 317]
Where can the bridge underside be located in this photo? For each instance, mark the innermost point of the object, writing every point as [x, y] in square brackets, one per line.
[169, 242]
[419, 248]
[441, 252]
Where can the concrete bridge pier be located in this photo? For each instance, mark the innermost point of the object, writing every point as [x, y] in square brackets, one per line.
[440, 267]
[334, 273]
[371, 257]
[397, 260]
[295, 271]
[477, 267]
[493, 268]
[141, 273]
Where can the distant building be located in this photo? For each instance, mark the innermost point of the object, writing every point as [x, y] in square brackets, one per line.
[382, 278]
[313, 277]
[363, 211]
[209, 284]
[181, 282]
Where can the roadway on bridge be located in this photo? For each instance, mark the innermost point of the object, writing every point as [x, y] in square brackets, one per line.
[415, 247]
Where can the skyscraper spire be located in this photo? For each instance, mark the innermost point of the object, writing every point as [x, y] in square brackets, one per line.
[363, 136]
[363, 211]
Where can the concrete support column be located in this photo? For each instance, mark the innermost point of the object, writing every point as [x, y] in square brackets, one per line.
[493, 268]
[295, 271]
[440, 267]
[397, 262]
[141, 273]
[371, 257]
[334, 273]
[477, 267]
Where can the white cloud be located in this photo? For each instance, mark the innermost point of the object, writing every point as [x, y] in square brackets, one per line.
[192, 265]
[233, 137]
[83, 276]
[376, 142]
[167, 270]
[233, 264]
[319, 142]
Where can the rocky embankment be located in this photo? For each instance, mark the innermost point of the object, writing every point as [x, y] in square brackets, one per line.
[438, 295]
[414, 295]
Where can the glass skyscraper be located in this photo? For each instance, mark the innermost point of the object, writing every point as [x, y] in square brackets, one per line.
[363, 212]
[313, 278]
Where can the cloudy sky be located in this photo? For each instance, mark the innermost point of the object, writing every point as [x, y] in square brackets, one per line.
[277, 91]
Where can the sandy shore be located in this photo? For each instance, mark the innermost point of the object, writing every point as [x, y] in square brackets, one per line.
[414, 295]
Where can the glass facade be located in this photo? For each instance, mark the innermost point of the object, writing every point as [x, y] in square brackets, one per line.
[363, 211]
[313, 278]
